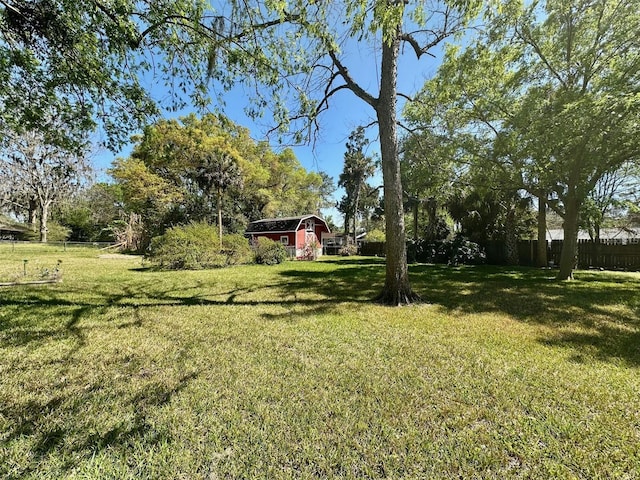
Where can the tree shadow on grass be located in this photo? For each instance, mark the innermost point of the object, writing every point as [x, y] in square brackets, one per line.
[61, 426]
[598, 314]
[599, 311]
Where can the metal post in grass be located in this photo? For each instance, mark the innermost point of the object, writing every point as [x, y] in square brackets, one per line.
[24, 262]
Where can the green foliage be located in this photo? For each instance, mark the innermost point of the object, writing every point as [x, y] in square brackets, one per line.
[461, 251]
[454, 251]
[375, 235]
[201, 169]
[269, 252]
[81, 63]
[237, 249]
[358, 168]
[545, 94]
[57, 232]
[91, 213]
[190, 247]
[196, 246]
[348, 250]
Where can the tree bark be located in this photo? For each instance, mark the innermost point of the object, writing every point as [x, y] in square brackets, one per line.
[219, 201]
[511, 240]
[33, 214]
[415, 220]
[543, 261]
[570, 242]
[44, 217]
[397, 288]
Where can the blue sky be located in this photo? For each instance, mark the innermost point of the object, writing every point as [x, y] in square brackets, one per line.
[346, 112]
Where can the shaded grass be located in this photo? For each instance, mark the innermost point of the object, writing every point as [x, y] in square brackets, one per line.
[290, 372]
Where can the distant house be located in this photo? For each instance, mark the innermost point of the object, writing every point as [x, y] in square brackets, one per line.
[13, 232]
[301, 235]
[621, 236]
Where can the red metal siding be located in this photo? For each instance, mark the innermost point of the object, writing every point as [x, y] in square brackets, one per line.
[276, 237]
[301, 235]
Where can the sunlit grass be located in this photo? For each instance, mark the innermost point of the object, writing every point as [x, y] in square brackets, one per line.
[290, 372]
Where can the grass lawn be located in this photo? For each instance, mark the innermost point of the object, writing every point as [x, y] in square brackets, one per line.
[290, 372]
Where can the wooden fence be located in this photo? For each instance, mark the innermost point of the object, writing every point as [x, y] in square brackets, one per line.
[607, 254]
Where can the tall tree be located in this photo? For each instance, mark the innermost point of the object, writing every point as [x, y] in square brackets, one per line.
[429, 177]
[41, 172]
[218, 171]
[554, 85]
[358, 168]
[314, 45]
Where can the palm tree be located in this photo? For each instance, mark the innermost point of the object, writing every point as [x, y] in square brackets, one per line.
[218, 171]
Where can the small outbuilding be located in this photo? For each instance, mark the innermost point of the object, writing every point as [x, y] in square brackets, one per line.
[302, 236]
[13, 232]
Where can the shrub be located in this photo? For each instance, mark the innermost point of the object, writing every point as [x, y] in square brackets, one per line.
[310, 251]
[348, 250]
[189, 247]
[268, 252]
[237, 249]
[461, 251]
[376, 235]
[57, 232]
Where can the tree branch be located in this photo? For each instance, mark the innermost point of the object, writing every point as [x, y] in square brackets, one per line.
[351, 84]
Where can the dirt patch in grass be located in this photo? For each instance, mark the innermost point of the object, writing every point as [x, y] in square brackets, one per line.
[120, 256]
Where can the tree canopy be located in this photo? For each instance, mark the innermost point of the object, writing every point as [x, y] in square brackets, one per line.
[552, 87]
[178, 167]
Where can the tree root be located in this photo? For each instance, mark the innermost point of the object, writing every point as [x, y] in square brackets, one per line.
[397, 298]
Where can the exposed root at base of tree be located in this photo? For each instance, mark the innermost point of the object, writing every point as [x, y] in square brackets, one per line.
[397, 298]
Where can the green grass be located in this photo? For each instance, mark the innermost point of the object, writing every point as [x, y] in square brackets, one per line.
[290, 372]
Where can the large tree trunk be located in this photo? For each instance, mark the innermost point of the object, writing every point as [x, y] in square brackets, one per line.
[432, 225]
[415, 220]
[511, 240]
[543, 261]
[570, 242]
[397, 289]
[219, 201]
[44, 217]
[33, 214]
[355, 214]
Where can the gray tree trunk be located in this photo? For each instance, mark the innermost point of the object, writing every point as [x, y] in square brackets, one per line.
[33, 214]
[397, 289]
[44, 217]
[570, 242]
[511, 240]
[543, 261]
[219, 201]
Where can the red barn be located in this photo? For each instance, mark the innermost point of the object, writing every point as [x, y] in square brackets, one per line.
[301, 235]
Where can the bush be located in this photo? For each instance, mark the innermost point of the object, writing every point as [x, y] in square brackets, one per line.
[376, 235]
[57, 232]
[460, 251]
[310, 251]
[190, 247]
[348, 250]
[268, 252]
[455, 251]
[237, 249]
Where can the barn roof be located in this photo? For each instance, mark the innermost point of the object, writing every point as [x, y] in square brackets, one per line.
[5, 227]
[279, 225]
